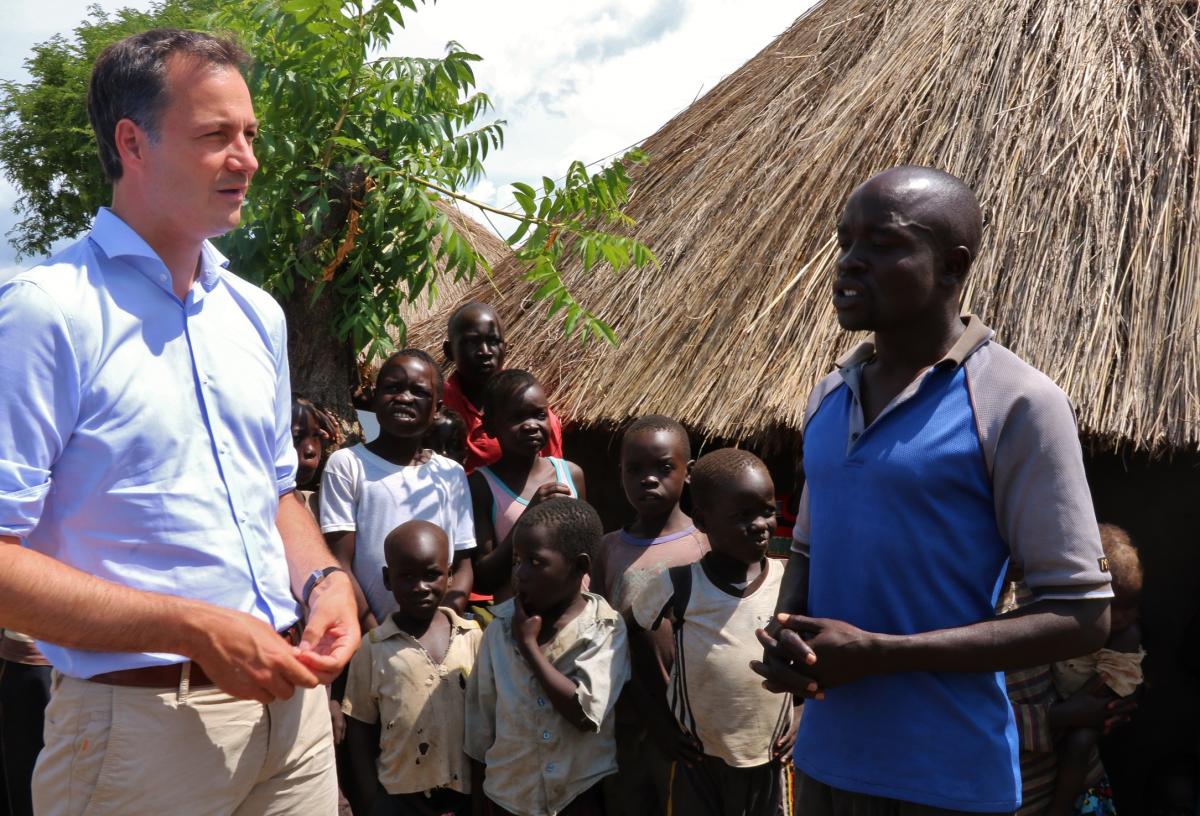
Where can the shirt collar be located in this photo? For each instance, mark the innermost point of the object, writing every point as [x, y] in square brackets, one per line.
[389, 629]
[119, 240]
[974, 336]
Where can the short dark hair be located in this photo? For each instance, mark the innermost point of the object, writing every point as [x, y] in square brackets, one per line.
[439, 382]
[303, 409]
[716, 470]
[573, 524]
[660, 422]
[1124, 564]
[505, 385]
[129, 82]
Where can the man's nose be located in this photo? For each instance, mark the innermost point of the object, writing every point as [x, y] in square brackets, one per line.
[241, 156]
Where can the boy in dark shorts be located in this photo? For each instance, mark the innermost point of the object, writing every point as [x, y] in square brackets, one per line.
[540, 703]
[410, 673]
[726, 732]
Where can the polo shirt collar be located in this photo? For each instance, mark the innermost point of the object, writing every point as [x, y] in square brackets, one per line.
[975, 335]
[119, 240]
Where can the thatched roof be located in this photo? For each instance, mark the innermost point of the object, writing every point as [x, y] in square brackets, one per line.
[448, 290]
[1075, 121]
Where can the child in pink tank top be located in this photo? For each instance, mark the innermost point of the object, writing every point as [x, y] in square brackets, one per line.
[515, 413]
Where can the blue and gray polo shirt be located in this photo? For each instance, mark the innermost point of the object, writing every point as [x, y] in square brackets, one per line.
[909, 525]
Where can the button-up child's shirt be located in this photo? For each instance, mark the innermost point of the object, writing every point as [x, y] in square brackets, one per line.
[146, 439]
[418, 703]
[538, 762]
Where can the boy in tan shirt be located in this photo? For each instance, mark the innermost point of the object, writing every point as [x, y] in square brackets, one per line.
[406, 691]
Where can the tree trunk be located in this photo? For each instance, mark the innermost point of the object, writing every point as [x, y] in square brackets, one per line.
[324, 368]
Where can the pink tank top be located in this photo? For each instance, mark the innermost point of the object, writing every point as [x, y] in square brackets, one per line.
[507, 506]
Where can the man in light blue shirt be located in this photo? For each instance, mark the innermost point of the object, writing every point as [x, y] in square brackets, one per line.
[149, 537]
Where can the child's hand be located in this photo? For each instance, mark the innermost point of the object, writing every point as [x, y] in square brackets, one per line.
[783, 746]
[525, 628]
[673, 741]
[547, 491]
[1094, 706]
[338, 721]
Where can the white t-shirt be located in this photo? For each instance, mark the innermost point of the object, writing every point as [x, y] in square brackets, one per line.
[717, 697]
[371, 496]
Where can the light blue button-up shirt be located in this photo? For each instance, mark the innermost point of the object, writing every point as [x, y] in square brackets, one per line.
[143, 439]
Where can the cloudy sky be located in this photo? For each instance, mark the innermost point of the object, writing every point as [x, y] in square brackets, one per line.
[579, 80]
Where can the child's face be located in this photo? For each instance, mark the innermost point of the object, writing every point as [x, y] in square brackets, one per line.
[405, 397]
[740, 518]
[522, 424]
[544, 578]
[307, 438]
[417, 572]
[477, 345]
[449, 440]
[654, 469]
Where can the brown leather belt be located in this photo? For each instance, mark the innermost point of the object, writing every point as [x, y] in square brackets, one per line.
[169, 676]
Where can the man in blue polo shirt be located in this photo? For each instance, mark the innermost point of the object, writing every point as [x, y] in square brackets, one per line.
[934, 457]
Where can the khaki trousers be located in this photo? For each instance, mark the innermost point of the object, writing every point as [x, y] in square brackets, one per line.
[191, 752]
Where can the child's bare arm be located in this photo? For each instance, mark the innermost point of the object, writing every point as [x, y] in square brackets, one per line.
[652, 654]
[462, 578]
[342, 545]
[577, 477]
[362, 751]
[560, 690]
[1128, 639]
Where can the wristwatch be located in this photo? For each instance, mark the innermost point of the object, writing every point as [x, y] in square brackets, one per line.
[317, 577]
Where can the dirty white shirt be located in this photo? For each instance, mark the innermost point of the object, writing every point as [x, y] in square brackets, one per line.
[538, 762]
[420, 704]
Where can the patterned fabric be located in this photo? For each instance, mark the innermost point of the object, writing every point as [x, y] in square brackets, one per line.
[1098, 801]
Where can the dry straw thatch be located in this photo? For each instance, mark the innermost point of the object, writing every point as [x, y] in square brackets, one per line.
[447, 289]
[1076, 123]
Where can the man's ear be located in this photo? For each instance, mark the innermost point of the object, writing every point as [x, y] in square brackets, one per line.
[958, 263]
[687, 478]
[448, 350]
[387, 583]
[583, 563]
[131, 142]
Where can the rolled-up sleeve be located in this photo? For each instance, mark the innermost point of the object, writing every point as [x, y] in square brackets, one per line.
[601, 670]
[39, 401]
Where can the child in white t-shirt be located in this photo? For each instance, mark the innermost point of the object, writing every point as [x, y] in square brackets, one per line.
[370, 489]
[727, 734]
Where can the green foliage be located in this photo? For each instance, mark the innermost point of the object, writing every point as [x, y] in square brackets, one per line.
[354, 151]
[46, 143]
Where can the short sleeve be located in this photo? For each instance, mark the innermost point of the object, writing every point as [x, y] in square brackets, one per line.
[601, 670]
[285, 450]
[650, 600]
[802, 529]
[462, 517]
[39, 401]
[480, 719]
[1043, 504]
[359, 700]
[339, 489]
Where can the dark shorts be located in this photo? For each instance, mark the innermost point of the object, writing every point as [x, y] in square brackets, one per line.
[588, 803]
[815, 798]
[440, 802]
[714, 788]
